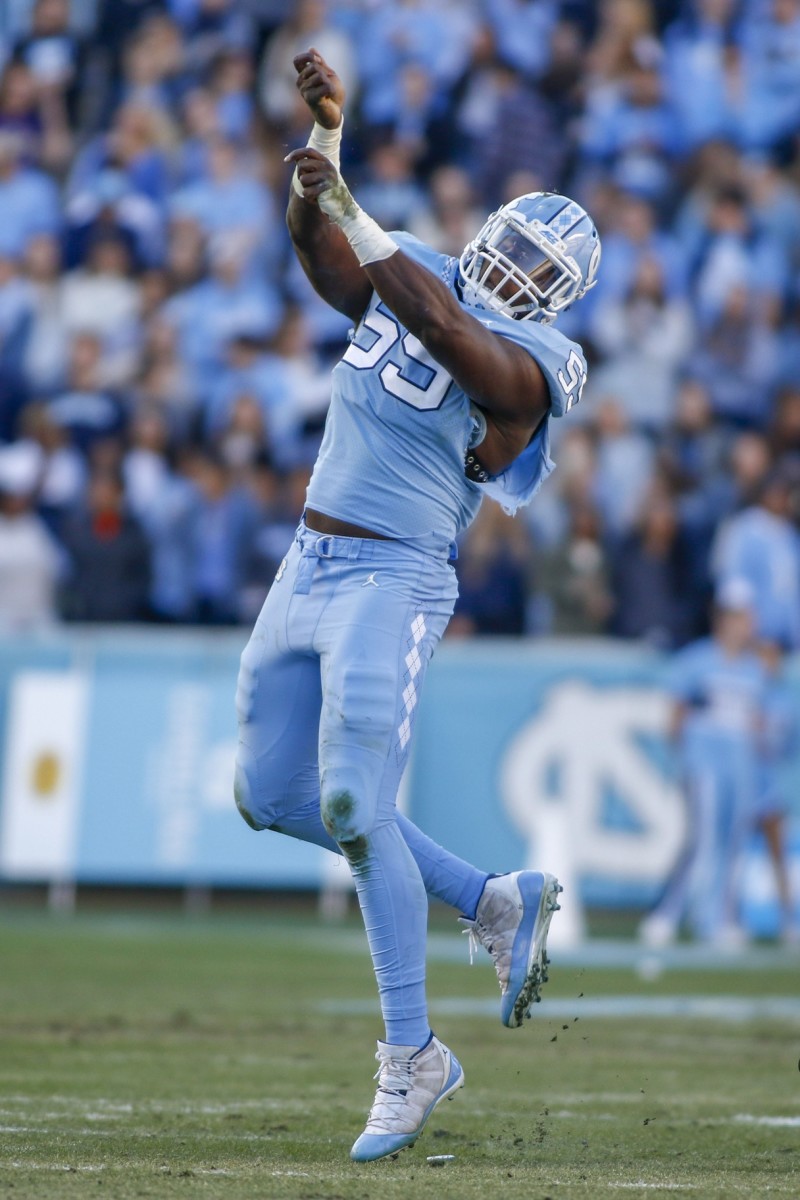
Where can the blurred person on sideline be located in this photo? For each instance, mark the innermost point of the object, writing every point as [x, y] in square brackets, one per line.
[761, 544]
[718, 687]
[778, 743]
[443, 397]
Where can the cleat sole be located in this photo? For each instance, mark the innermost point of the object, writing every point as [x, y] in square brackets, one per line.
[537, 975]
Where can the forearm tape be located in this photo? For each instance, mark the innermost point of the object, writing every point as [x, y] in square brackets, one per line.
[328, 142]
[369, 242]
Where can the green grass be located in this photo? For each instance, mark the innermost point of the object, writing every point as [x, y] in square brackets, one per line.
[170, 1057]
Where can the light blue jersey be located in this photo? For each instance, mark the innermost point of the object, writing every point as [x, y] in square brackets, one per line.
[724, 696]
[399, 427]
[719, 765]
[778, 742]
[330, 680]
[764, 549]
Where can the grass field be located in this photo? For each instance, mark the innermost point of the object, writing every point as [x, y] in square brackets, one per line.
[231, 1057]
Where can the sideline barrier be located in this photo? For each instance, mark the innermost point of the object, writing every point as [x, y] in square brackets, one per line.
[116, 758]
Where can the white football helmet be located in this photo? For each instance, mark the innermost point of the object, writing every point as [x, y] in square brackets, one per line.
[532, 259]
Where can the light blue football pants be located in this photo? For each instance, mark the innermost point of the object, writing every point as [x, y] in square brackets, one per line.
[327, 697]
[719, 785]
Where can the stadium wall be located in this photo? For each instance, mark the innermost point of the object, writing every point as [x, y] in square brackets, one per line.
[117, 746]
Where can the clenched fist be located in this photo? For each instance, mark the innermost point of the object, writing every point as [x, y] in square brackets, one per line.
[320, 87]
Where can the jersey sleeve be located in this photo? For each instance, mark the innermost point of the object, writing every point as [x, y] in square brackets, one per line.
[564, 368]
[520, 482]
[560, 360]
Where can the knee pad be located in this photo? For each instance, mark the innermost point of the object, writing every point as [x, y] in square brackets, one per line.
[344, 811]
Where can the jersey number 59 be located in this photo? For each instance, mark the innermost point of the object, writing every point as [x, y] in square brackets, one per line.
[410, 374]
[572, 382]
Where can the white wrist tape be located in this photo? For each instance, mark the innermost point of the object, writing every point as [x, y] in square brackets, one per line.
[328, 142]
[370, 243]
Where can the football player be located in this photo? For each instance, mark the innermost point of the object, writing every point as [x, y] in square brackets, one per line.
[443, 396]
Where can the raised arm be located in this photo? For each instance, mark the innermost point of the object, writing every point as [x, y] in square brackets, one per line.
[495, 372]
[323, 250]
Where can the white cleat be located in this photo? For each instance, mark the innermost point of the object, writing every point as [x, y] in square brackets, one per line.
[512, 923]
[411, 1082]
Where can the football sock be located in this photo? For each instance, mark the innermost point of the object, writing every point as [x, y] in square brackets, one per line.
[445, 875]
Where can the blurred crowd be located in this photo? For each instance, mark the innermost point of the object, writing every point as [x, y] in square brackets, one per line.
[165, 367]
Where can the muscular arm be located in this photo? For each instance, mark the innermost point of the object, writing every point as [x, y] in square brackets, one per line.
[325, 256]
[493, 371]
[496, 373]
[322, 249]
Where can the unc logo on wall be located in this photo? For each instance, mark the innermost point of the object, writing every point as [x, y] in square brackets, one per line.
[585, 784]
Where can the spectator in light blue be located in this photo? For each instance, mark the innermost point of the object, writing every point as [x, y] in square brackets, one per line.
[163, 502]
[135, 144]
[699, 52]
[717, 686]
[232, 86]
[410, 31]
[224, 523]
[201, 126]
[86, 410]
[774, 210]
[108, 205]
[512, 131]
[634, 237]
[154, 63]
[222, 306]
[28, 200]
[522, 33]
[731, 253]
[778, 744]
[211, 27]
[310, 23]
[770, 110]
[761, 544]
[645, 338]
[631, 132]
[736, 359]
[15, 19]
[286, 381]
[251, 372]
[232, 200]
[388, 189]
[623, 466]
[327, 329]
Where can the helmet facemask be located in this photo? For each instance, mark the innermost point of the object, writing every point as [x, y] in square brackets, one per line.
[521, 268]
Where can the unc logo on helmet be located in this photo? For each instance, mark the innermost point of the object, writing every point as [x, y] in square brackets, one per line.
[532, 259]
